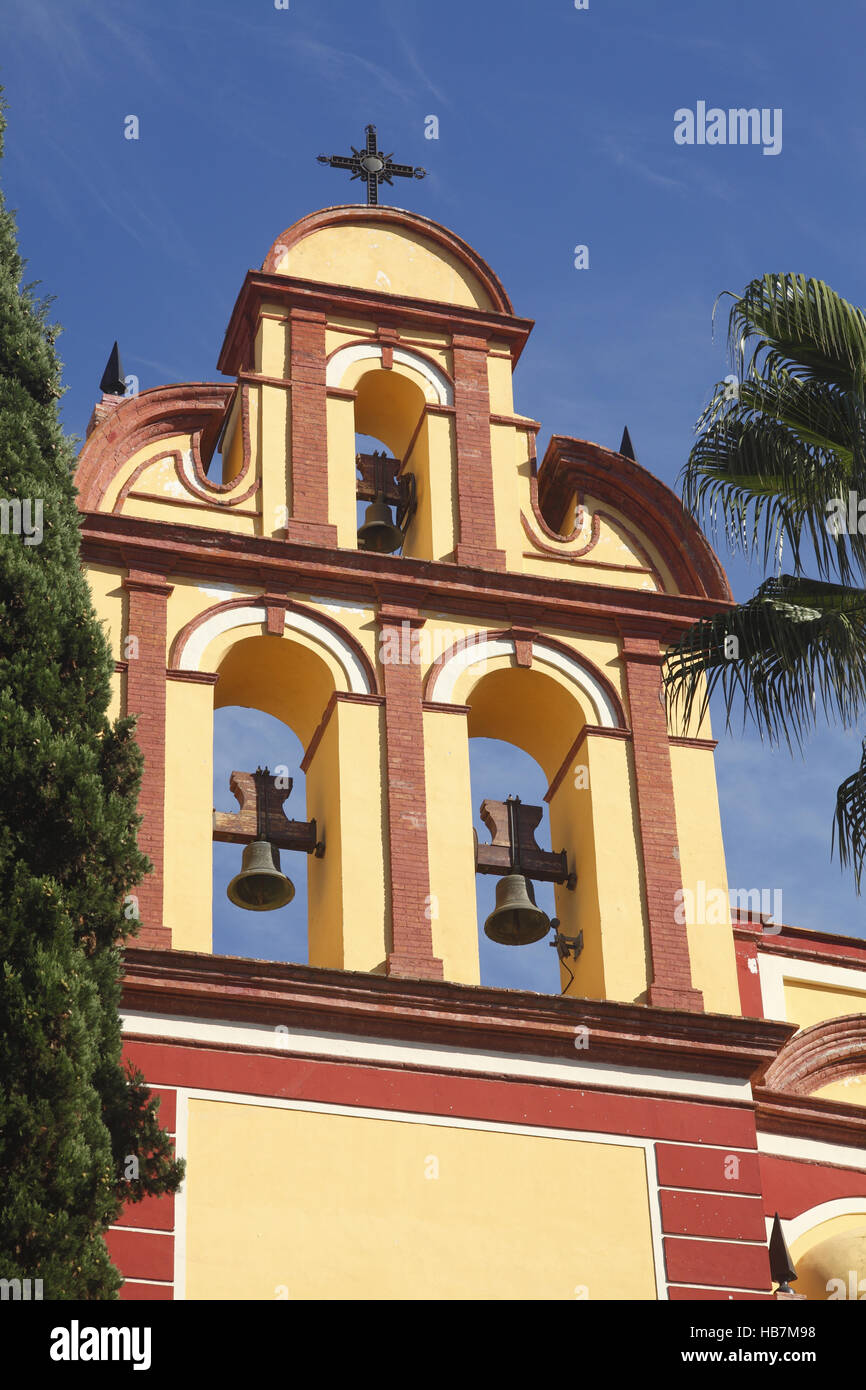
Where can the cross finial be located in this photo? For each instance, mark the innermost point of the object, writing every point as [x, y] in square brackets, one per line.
[372, 165]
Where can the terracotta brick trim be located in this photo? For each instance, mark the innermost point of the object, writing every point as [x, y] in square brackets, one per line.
[426, 1010]
[515, 634]
[809, 1117]
[671, 979]
[411, 946]
[413, 222]
[308, 513]
[270, 601]
[145, 683]
[577, 466]
[819, 1055]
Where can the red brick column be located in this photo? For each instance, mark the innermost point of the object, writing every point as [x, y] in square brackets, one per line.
[671, 985]
[411, 954]
[308, 521]
[145, 697]
[476, 545]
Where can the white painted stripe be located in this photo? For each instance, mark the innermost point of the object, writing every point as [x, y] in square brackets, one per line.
[811, 1150]
[346, 357]
[797, 1226]
[226, 620]
[574, 1071]
[185, 1095]
[181, 1147]
[163, 1283]
[480, 652]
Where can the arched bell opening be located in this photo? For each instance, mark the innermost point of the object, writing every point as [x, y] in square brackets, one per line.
[243, 740]
[527, 720]
[499, 770]
[390, 415]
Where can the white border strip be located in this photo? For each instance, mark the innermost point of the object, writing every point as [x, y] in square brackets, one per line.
[811, 1150]
[797, 1226]
[346, 1047]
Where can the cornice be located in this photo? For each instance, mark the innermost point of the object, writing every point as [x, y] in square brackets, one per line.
[806, 1117]
[189, 984]
[291, 292]
[176, 548]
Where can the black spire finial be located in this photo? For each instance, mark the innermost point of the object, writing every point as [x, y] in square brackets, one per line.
[372, 165]
[113, 382]
[781, 1267]
[626, 448]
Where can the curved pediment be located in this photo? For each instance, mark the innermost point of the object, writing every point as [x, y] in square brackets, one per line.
[389, 251]
[601, 509]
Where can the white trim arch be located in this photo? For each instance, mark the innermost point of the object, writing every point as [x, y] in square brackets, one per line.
[345, 357]
[796, 1226]
[223, 620]
[478, 653]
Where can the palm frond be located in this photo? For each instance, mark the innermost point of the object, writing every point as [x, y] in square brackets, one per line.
[849, 821]
[804, 326]
[798, 645]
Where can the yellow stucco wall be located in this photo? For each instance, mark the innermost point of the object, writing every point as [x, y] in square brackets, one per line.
[541, 710]
[286, 1203]
[807, 1002]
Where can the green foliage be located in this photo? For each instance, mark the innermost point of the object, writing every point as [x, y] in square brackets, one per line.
[68, 1113]
[781, 438]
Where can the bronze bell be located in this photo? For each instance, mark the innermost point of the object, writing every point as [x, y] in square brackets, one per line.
[260, 886]
[378, 532]
[516, 920]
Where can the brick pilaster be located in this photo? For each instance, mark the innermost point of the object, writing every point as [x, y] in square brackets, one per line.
[671, 986]
[476, 545]
[308, 520]
[145, 697]
[411, 947]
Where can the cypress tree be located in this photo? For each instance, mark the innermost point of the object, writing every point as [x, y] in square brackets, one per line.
[78, 1133]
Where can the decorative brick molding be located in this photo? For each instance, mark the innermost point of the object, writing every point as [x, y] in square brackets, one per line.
[308, 522]
[819, 1055]
[148, 595]
[671, 983]
[575, 466]
[413, 222]
[476, 511]
[411, 947]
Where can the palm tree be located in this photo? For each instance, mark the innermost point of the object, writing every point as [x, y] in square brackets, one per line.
[780, 465]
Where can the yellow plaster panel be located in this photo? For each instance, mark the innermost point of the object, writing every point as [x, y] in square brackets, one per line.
[451, 848]
[387, 259]
[188, 837]
[702, 861]
[807, 1003]
[851, 1090]
[835, 1250]
[299, 1205]
[109, 603]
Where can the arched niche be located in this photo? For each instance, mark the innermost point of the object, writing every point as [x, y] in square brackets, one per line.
[566, 714]
[244, 738]
[408, 405]
[316, 679]
[499, 769]
[827, 1244]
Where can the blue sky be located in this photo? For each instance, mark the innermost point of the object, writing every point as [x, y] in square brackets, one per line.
[555, 129]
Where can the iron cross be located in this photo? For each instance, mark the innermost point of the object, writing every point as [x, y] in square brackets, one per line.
[372, 165]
